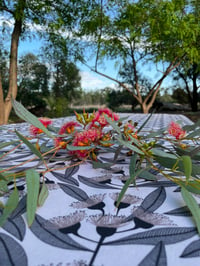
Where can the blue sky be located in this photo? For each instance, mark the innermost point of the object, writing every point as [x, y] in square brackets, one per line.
[89, 79]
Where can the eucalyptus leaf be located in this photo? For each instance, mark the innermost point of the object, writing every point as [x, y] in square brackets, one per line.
[192, 205]
[79, 148]
[43, 194]
[113, 124]
[161, 153]
[130, 146]
[97, 164]
[132, 166]
[5, 144]
[10, 206]
[187, 164]
[24, 114]
[33, 184]
[127, 184]
[29, 145]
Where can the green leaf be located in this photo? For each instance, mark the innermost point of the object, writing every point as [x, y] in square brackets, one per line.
[113, 124]
[164, 154]
[29, 145]
[141, 127]
[79, 148]
[129, 145]
[132, 166]
[33, 185]
[147, 175]
[2, 177]
[97, 165]
[192, 186]
[3, 187]
[43, 194]
[127, 184]
[10, 206]
[192, 205]
[5, 144]
[24, 114]
[194, 133]
[187, 164]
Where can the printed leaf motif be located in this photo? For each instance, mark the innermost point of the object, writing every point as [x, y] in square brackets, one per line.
[33, 185]
[192, 250]
[53, 237]
[111, 160]
[71, 171]
[154, 200]
[157, 257]
[15, 227]
[67, 176]
[11, 252]
[74, 192]
[158, 184]
[91, 183]
[168, 235]
[182, 211]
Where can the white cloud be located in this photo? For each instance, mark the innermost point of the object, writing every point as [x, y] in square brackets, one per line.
[92, 81]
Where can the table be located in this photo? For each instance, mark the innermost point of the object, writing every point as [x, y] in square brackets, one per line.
[79, 224]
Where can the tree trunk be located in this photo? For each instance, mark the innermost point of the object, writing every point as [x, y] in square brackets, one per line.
[12, 91]
[195, 93]
[1, 103]
[17, 30]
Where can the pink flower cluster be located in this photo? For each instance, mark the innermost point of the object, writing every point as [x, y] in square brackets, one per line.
[45, 121]
[176, 130]
[88, 131]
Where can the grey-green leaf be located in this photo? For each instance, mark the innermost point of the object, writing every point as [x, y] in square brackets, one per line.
[29, 145]
[43, 194]
[192, 205]
[10, 206]
[33, 184]
[24, 114]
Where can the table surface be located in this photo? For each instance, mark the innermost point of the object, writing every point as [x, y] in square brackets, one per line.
[79, 225]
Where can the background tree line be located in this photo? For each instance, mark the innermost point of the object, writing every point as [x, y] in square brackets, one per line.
[132, 33]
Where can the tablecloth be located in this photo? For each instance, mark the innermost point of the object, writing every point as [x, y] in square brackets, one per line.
[79, 224]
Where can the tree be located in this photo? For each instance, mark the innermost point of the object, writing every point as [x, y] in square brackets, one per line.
[189, 78]
[117, 97]
[180, 96]
[188, 72]
[138, 32]
[66, 80]
[33, 81]
[49, 15]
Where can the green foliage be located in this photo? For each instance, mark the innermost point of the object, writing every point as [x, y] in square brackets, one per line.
[33, 185]
[115, 98]
[193, 206]
[10, 206]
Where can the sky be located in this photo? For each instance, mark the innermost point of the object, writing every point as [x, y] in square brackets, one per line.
[89, 79]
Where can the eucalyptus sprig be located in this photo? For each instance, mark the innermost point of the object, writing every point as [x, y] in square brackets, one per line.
[83, 140]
